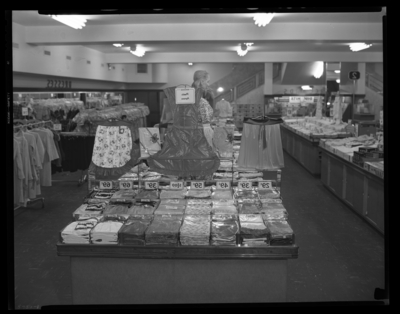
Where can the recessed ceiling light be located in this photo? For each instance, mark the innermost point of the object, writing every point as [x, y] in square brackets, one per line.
[118, 45]
[306, 87]
[358, 46]
[137, 51]
[190, 63]
[337, 81]
[337, 71]
[220, 89]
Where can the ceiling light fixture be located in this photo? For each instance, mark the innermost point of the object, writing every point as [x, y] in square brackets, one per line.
[190, 63]
[337, 71]
[306, 87]
[319, 69]
[358, 46]
[220, 89]
[338, 81]
[118, 45]
[249, 44]
[137, 51]
[242, 50]
[262, 19]
[74, 21]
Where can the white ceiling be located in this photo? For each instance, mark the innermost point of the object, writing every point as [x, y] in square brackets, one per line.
[101, 30]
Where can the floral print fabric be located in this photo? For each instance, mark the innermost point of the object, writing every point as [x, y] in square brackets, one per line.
[112, 147]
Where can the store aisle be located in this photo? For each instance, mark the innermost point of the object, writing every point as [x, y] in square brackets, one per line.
[340, 257]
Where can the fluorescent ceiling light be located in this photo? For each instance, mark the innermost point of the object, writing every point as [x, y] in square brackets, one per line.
[137, 51]
[262, 19]
[74, 21]
[358, 46]
[306, 87]
[319, 69]
[337, 81]
[242, 50]
[337, 71]
[190, 63]
[220, 89]
[118, 45]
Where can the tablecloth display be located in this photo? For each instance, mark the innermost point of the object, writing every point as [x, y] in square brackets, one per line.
[164, 230]
[195, 230]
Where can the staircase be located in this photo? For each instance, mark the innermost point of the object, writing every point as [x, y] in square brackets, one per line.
[374, 91]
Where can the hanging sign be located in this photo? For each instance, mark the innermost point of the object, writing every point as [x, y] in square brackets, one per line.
[24, 111]
[125, 185]
[184, 95]
[354, 75]
[298, 99]
[197, 185]
[223, 185]
[57, 127]
[264, 185]
[176, 185]
[245, 185]
[105, 185]
[148, 185]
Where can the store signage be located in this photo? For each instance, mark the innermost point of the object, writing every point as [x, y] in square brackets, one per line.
[59, 84]
[298, 99]
[264, 185]
[245, 185]
[25, 111]
[57, 127]
[184, 95]
[125, 185]
[223, 185]
[354, 75]
[105, 185]
[148, 185]
[176, 185]
[197, 185]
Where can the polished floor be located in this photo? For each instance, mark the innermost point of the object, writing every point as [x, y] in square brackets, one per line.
[341, 258]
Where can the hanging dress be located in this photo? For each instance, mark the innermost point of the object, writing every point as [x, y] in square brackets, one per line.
[186, 151]
[261, 146]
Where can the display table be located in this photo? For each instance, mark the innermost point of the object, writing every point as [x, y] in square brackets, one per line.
[304, 149]
[358, 188]
[117, 274]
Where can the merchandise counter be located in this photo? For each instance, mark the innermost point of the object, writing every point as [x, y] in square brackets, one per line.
[357, 187]
[120, 274]
[302, 148]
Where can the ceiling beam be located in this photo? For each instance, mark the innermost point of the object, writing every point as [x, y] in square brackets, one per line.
[229, 57]
[42, 35]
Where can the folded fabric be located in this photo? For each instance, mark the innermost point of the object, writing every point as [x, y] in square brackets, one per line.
[224, 209]
[271, 200]
[148, 194]
[249, 208]
[268, 194]
[173, 202]
[250, 218]
[78, 231]
[105, 232]
[199, 202]
[245, 194]
[222, 194]
[274, 214]
[143, 209]
[133, 230]
[218, 202]
[170, 209]
[223, 231]
[124, 194]
[206, 193]
[81, 210]
[281, 232]
[195, 230]
[197, 210]
[173, 194]
[164, 230]
[118, 210]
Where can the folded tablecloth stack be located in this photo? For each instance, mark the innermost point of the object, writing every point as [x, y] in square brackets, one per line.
[106, 232]
[164, 230]
[268, 194]
[133, 230]
[222, 194]
[173, 194]
[198, 210]
[78, 231]
[281, 232]
[224, 229]
[273, 212]
[198, 194]
[195, 230]
[170, 209]
[253, 231]
[144, 208]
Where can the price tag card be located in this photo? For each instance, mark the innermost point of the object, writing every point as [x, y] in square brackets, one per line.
[176, 185]
[105, 185]
[126, 185]
[223, 185]
[57, 127]
[197, 185]
[24, 111]
[264, 185]
[245, 185]
[148, 185]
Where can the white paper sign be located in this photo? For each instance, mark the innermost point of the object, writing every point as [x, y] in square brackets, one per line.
[105, 185]
[176, 185]
[197, 185]
[57, 127]
[25, 111]
[264, 185]
[223, 185]
[184, 95]
[125, 185]
[148, 185]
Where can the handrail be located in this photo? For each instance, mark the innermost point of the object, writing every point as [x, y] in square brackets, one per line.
[374, 81]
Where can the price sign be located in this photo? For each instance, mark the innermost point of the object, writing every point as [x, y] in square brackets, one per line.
[24, 111]
[150, 185]
[223, 185]
[198, 185]
[264, 185]
[245, 185]
[185, 95]
[105, 185]
[176, 185]
[57, 127]
[125, 185]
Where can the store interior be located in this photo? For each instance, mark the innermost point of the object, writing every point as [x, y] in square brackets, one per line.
[322, 158]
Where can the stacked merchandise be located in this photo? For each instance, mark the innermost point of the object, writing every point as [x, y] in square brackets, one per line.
[164, 230]
[281, 232]
[123, 195]
[148, 195]
[249, 206]
[144, 208]
[224, 229]
[119, 209]
[268, 193]
[224, 206]
[173, 194]
[78, 231]
[106, 231]
[195, 230]
[198, 194]
[134, 229]
[253, 230]
[222, 194]
[94, 209]
[250, 175]
[273, 212]
[170, 209]
[197, 209]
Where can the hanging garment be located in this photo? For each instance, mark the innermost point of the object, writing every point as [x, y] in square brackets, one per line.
[23, 146]
[223, 141]
[70, 143]
[261, 146]
[40, 152]
[18, 173]
[225, 108]
[149, 141]
[35, 165]
[186, 151]
[114, 151]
